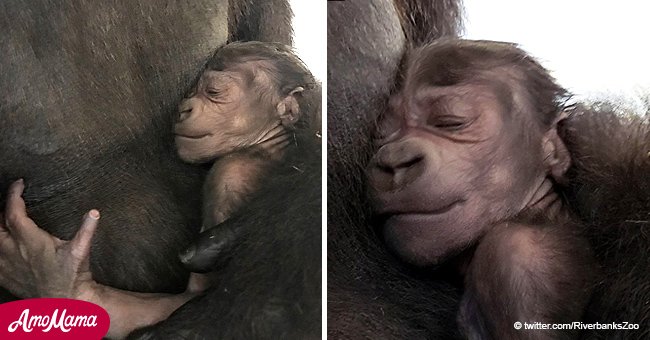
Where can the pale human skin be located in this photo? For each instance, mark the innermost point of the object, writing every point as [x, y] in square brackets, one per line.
[243, 133]
[36, 264]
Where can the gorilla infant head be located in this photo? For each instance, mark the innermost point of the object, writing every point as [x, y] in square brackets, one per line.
[467, 142]
[248, 91]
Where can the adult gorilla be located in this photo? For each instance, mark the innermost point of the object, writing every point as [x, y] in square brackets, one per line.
[370, 295]
[89, 92]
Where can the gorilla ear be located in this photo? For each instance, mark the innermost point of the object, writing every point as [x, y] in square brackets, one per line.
[288, 109]
[556, 155]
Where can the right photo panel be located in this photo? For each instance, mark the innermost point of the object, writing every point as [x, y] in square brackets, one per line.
[488, 170]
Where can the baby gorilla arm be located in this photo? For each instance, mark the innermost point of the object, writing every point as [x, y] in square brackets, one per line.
[236, 176]
[525, 273]
[34, 263]
[231, 181]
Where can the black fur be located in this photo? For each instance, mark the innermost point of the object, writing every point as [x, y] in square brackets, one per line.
[610, 190]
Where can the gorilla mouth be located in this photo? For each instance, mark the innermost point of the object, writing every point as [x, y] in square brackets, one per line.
[406, 215]
[387, 209]
[193, 136]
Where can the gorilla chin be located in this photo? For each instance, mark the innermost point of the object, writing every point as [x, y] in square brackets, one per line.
[416, 238]
[193, 150]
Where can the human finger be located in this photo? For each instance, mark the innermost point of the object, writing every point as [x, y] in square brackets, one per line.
[16, 219]
[80, 244]
[7, 243]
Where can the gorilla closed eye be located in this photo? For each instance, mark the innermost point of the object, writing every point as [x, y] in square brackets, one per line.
[451, 126]
[447, 123]
[213, 92]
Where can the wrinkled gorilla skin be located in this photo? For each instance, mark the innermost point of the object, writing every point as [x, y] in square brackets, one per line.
[372, 296]
[88, 94]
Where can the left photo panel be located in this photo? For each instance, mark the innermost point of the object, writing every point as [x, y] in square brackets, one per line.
[161, 169]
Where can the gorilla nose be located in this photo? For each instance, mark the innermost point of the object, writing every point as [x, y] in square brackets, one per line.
[184, 113]
[395, 166]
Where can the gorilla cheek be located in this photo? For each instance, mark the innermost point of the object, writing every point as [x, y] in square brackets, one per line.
[408, 248]
[194, 151]
[425, 240]
[184, 154]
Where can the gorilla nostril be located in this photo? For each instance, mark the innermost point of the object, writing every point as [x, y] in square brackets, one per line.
[404, 172]
[184, 114]
[409, 163]
[396, 165]
[391, 157]
[392, 170]
[384, 168]
[401, 162]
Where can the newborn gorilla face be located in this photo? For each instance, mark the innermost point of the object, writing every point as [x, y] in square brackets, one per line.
[224, 114]
[452, 159]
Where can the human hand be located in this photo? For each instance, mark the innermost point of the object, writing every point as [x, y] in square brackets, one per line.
[34, 263]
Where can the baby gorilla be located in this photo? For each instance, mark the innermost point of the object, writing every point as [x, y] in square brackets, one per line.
[468, 168]
[249, 106]
[240, 115]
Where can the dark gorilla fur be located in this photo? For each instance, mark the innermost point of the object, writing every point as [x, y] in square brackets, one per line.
[610, 191]
[370, 295]
[88, 93]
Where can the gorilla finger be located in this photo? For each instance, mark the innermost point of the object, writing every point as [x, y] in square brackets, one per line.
[80, 244]
[212, 247]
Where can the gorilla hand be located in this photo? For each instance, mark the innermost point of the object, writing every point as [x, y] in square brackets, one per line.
[212, 247]
[34, 263]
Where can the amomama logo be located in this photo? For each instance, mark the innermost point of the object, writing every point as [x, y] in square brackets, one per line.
[52, 319]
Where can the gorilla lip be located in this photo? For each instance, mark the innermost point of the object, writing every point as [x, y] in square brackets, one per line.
[193, 137]
[388, 213]
[417, 218]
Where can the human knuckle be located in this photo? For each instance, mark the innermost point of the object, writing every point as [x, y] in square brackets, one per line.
[13, 218]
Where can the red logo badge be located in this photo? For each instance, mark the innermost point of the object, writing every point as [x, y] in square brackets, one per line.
[52, 319]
